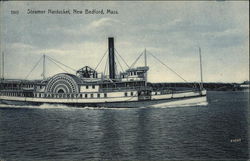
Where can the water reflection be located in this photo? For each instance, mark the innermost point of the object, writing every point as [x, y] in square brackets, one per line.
[110, 146]
[142, 145]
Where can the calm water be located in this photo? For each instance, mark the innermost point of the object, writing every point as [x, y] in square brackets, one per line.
[214, 131]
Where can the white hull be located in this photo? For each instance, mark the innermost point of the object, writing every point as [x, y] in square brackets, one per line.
[186, 102]
[126, 103]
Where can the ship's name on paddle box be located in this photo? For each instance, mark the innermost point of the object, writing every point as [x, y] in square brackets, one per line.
[71, 11]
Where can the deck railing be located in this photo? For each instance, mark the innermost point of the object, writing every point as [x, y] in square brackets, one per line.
[125, 88]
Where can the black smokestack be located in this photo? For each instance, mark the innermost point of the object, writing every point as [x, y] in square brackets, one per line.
[111, 58]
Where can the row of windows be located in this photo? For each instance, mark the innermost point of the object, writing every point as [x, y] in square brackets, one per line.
[92, 95]
[161, 92]
[40, 87]
[93, 87]
[130, 74]
[126, 94]
[16, 94]
[8, 94]
[20, 86]
[153, 93]
[63, 95]
[28, 86]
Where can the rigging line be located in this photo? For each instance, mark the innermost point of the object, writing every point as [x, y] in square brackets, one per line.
[33, 68]
[62, 64]
[167, 67]
[106, 65]
[119, 63]
[136, 60]
[57, 65]
[101, 60]
[116, 69]
[122, 58]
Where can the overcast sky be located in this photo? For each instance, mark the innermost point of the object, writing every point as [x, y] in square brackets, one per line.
[172, 31]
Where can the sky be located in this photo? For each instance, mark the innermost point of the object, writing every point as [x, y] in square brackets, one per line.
[171, 31]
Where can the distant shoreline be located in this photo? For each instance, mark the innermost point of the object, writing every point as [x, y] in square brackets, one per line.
[207, 86]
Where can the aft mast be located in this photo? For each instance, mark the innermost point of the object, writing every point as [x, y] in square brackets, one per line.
[145, 59]
[201, 83]
[2, 72]
[1, 67]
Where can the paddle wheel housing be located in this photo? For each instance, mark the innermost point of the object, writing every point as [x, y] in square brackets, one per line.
[63, 83]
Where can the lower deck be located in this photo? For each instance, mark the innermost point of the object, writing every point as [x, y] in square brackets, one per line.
[122, 104]
[111, 99]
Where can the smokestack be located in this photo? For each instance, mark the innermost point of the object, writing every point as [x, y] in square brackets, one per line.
[111, 58]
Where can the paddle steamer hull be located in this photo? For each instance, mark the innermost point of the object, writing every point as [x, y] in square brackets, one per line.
[132, 102]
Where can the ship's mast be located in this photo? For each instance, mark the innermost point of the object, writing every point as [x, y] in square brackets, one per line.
[44, 67]
[2, 65]
[145, 59]
[201, 83]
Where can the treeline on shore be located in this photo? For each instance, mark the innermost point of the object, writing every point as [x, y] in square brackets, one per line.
[208, 86]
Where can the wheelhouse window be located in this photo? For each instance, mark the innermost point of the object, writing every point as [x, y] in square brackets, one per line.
[86, 95]
[105, 95]
[93, 86]
[132, 93]
[98, 95]
[125, 94]
[92, 95]
[87, 87]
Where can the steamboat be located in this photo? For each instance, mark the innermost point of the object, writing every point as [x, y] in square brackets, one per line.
[87, 87]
